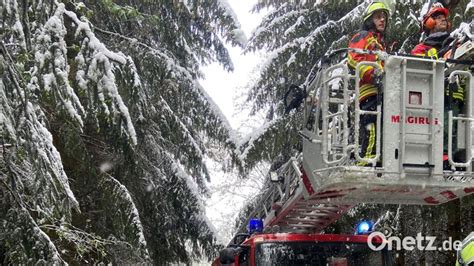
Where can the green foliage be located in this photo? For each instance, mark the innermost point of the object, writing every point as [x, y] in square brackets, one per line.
[123, 12]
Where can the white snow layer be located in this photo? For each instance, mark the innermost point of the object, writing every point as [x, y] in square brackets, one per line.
[136, 217]
[463, 29]
[5, 114]
[469, 6]
[254, 136]
[305, 42]
[233, 136]
[55, 27]
[238, 34]
[42, 141]
[103, 75]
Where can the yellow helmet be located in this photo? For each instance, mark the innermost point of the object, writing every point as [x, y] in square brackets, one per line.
[375, 6]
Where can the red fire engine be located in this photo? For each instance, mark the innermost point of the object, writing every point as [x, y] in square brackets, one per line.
[316, 187]
[304, 249]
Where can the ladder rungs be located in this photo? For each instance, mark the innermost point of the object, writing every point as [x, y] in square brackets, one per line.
[302, 225]
[312, 212]
[309, 216]
[302, 221]
[418, 133]
[421, 71]
[305, 222]
[419, 107]
[316, 205]
[336, 100]
[419, 142]
[312, 209]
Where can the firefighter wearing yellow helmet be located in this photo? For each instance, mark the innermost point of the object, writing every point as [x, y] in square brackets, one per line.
[371, 37]
[371, 9]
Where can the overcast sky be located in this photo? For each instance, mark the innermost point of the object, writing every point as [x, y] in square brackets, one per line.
[229, 192]
[225, 88]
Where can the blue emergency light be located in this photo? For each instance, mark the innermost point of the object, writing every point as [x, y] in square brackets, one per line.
[364, 227]
[255, 226]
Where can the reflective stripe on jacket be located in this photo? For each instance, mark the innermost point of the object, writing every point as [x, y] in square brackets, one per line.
[466, 254]
[366, 40]
[423, 49]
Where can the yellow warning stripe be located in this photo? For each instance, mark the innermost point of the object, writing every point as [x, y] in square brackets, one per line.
[432, 53]
[458, 96]
[370, 147]
[367, 90]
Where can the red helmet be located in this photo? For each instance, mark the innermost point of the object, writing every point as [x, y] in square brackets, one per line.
[428, 21]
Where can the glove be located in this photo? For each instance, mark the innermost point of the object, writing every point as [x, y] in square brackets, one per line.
[378, 77]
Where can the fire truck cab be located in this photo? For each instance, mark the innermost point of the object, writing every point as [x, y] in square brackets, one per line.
[305, 249]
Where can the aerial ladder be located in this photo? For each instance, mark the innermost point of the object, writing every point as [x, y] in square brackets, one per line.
[316, 187]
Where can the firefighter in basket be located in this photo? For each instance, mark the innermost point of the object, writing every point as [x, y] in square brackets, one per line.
[438, 44]
[371, 37]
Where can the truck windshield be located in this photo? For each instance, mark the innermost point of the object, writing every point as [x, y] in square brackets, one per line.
[317, 253]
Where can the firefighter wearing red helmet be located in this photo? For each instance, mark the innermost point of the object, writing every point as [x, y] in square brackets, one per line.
[371, 37]
[436, 27]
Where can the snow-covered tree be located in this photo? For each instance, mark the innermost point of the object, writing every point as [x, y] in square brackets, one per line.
[104, 128]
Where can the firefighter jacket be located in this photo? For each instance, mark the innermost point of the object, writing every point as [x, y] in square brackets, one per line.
[430, 47]
[422, 49]
[367, 40]
[434, 43]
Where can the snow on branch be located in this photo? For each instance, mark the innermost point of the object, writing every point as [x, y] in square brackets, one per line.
[25, 225]
[238, 34]
[6, 116]
[466, 29]
[184, 129]
[272, 56]
[52, 70]
[168, 60]
[40, 235]
[303, 44]
[180, 172]
[298, 23]
[41, 144]
[248, 142]
[233, 136]
[275, 22]
[28, 133]
[186, 79]
[11, 10]
[96, 64]
[349, 18]
[122, 193]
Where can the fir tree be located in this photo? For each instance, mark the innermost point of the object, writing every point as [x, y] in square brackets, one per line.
[105, 129]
